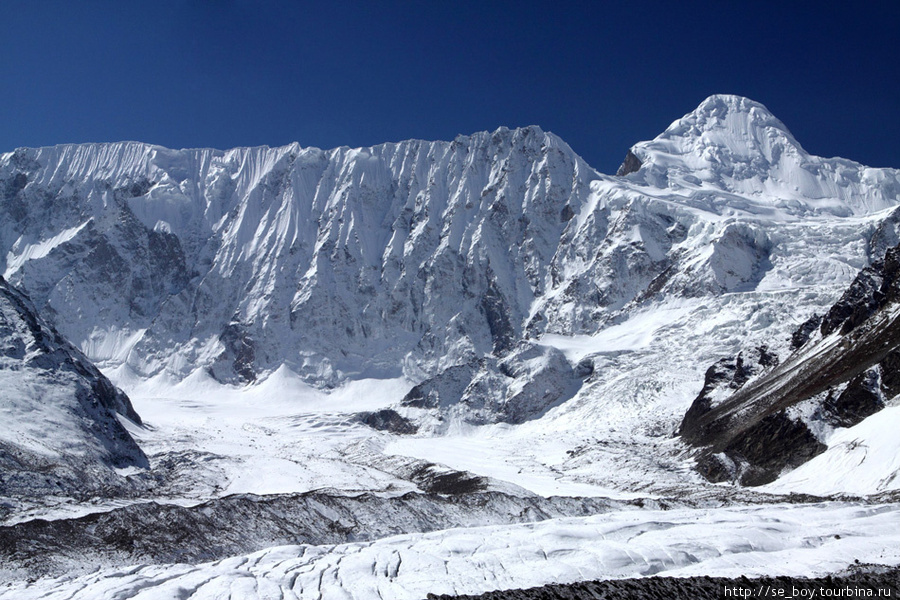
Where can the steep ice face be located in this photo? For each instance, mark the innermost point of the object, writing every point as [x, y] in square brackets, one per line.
[341, 263]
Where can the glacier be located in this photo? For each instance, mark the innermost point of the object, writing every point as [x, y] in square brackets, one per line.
[778, 540]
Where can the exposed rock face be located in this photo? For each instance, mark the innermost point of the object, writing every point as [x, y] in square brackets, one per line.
[388, 420]
[631, 164]
[803, 333]
[60, 429]
[844, 368]
[758, 456]
[874, 288]
[726, 377]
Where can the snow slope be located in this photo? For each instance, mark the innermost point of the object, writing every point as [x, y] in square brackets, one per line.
[863, 459]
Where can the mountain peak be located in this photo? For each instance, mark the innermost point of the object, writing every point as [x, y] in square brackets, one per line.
[722, 130]
[728, 119]
[731, 145]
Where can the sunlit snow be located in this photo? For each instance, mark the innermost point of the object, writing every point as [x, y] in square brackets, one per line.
[350, 272]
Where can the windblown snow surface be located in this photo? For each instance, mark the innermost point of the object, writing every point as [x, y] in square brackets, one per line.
[299, 288]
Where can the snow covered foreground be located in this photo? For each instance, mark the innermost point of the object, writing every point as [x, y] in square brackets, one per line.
[792, 540]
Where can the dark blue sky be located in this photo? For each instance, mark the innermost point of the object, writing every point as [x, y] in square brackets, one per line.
[602, 75]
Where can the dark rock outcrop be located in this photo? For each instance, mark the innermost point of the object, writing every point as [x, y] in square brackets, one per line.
[727, 376]
[388, 420]
[806, 330]
[870, 582]
[495, 310]
[757, 457]
[237, 359]
[749, 435]
[631, 164]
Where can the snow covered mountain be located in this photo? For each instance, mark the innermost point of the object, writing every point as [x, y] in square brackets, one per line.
[732, 155]
[411, 258]
[336, 264]
[489, 319]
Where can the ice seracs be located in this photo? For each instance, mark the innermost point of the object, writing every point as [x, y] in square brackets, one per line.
[769, 417]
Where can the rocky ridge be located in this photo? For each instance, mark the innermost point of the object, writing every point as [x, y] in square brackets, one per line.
[756, 417]
[61, 432]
